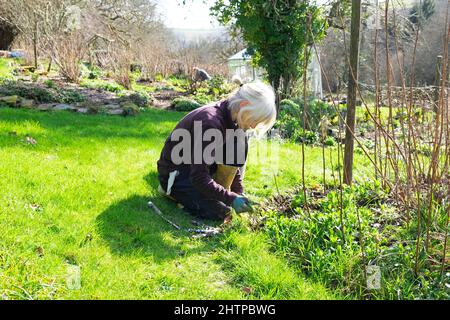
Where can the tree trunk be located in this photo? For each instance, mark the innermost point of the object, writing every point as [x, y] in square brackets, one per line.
[352, 86]
[7, 35]
[35, 44]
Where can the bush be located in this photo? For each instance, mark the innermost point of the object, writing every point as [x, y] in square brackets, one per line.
[40, 94]
[289, 107]
[102, 85]
[203, 99]
[90, 71]
[291, 128]
[141, 99]
[130, 109]
[330, 142]
[185, 105]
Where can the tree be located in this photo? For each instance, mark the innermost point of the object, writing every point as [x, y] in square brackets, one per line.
[421, 12]
[277, 31]
[7, 35]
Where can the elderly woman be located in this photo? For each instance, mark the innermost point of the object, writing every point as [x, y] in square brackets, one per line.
[211, 189]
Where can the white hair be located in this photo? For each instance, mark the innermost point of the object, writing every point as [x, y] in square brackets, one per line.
[261, 109]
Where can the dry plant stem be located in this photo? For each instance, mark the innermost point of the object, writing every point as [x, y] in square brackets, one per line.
[305, 102]
[342, 119]
[377, 159]
[444, 255]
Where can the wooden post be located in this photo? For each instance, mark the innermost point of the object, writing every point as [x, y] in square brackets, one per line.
[352, 90]
[437, 83]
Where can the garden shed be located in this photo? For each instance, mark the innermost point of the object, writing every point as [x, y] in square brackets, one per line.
[240, 64]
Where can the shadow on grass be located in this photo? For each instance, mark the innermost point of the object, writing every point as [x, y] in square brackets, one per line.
[131, 228]
[150, 125]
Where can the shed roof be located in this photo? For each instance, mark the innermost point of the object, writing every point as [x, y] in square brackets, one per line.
[241, 55]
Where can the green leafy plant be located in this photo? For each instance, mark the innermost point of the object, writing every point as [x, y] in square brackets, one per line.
[183, 104]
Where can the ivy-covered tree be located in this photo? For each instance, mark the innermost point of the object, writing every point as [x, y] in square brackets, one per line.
[277, 31]
[421, 12]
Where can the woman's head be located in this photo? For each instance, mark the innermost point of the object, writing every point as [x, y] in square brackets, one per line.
[252, 106]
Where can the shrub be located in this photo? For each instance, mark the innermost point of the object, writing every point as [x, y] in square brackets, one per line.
[330, 142]
[289, 107]
[141, 99]
[130, 109]
[203, 99]
[41, 94]
[103, 85]
[90, 71]
[308, 137]
[183, 104]
[50, 84]
[66, 50]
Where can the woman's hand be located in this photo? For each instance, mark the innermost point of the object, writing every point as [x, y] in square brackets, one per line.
[242, 204]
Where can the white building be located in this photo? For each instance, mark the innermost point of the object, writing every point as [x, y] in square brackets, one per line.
[241, 65]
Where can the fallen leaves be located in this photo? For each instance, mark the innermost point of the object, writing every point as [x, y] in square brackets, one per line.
[247, 290]
[40, 251]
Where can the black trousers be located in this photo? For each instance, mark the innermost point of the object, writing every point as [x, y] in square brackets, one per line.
[193, 201]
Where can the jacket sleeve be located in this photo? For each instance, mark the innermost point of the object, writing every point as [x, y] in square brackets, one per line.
[204, 183]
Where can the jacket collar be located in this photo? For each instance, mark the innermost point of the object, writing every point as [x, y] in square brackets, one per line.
[223, 106]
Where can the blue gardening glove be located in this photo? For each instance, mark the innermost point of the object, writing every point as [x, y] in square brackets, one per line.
[241, 205]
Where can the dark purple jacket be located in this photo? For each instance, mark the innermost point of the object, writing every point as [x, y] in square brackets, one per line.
[213, 116]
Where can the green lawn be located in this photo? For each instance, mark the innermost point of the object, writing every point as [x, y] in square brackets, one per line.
[78, 197]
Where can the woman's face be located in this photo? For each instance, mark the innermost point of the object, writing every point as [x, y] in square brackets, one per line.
[249, 125]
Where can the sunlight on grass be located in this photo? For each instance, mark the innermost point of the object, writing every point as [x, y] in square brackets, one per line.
[78, 197]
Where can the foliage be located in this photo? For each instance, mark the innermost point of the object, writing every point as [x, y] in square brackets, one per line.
[421, 12]
[130, 109]
[330, 142]
[184, 104]
[41, 94]
[277, 31]
[90, 71]
[141, 99]
[110, 86]
[5, 69]
[373, 234]
[290, 120]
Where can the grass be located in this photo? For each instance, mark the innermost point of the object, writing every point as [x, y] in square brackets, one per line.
[5, 68]
[78, 197]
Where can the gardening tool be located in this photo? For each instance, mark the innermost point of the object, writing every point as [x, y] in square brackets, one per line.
[207, 231]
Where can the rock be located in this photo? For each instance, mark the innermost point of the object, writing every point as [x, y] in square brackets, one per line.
[110, 106]
[83, 110]
[26, 103]
[115, 112]
[10, 100]
[46, 106]
[64, 107]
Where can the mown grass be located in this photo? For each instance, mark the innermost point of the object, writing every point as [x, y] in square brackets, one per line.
[78, 197]
[5, 68]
